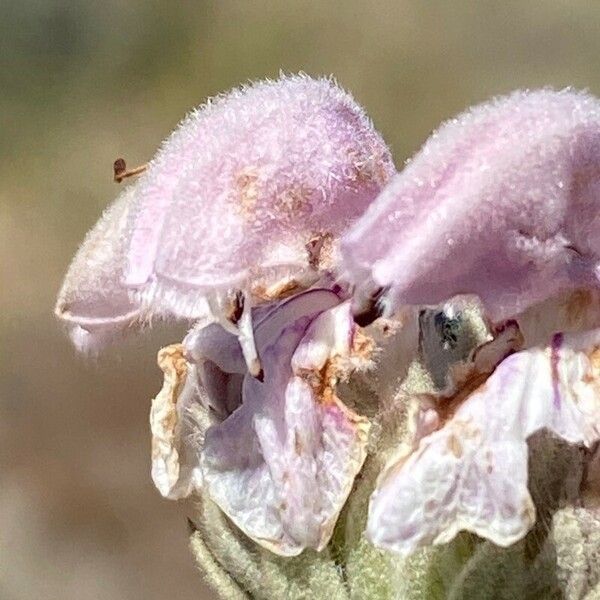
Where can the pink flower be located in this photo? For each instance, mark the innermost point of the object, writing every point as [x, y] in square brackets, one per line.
[236, 227]
[242, 204]
[502, 203]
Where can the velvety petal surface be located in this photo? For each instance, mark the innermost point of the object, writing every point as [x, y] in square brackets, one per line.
[502, 202]
[93, 302]
[250, 193]
[247, 181]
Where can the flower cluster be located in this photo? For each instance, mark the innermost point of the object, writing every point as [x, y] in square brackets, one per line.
[430, 321]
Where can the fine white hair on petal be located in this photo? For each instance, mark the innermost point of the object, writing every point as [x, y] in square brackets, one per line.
[233, 201]
[93, 303]
[259, 168]
[471, 474]
[501, 202]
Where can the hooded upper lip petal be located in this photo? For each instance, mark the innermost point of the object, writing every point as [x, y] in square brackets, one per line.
[491, 205]
[231, 203]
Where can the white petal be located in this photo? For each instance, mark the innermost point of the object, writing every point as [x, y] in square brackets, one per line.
[450, 484]
[283, 464]
[472, 473]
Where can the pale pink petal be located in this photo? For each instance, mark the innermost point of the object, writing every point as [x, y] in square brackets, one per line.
[93, 302]
[472, 473]
[248, 195]
[282, 465]
[500, 202]
[240, 189]
[450, 484]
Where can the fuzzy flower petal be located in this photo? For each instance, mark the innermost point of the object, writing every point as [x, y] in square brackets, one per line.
[501, 202]
[93, 301]
[283, 464]
[248, 179]
[243, 204]
[249, 191]
[471, 474]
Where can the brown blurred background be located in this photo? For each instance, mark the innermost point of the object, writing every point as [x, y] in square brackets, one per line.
[84, 82]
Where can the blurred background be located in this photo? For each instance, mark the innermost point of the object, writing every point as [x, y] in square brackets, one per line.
[84, 82]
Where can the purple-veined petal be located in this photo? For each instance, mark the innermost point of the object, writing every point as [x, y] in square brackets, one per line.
[471, 474]
[282, 465]
[501, 202]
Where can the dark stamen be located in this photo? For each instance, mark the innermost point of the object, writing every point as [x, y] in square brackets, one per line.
[573, 249]
[121, 172]
[237, 307]
[371, 310]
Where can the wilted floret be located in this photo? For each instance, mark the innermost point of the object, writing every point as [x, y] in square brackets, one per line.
[281, 455]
